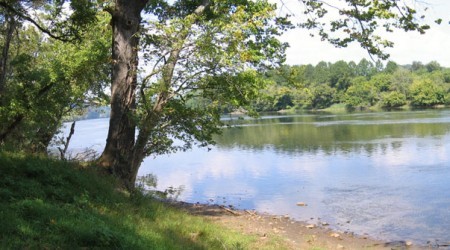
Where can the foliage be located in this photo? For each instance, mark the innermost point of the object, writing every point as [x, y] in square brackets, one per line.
[323, 96]
[57, 205]
[391, 67]
[361, 94]
[58, 79]
[425, 93]
[53, 19]
[206, 58]
[401, 80]
[392, 99]
[392, 86]
[361, 22]
[433, 66]
[382, 82]
[341, 74]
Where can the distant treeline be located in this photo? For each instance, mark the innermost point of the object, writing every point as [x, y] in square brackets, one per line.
[356, 85]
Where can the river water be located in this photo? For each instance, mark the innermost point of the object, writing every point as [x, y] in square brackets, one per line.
[386, 174]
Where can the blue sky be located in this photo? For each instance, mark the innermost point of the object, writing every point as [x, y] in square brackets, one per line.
[433, 46]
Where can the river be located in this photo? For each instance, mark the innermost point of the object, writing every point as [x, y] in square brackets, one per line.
[386, 174]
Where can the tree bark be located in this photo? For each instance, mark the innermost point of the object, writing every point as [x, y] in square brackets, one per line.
[118, 153]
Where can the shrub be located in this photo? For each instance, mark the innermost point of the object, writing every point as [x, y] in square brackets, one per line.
[426, 93]
[392, 99]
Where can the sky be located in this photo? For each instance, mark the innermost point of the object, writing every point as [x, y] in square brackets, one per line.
[408, 46]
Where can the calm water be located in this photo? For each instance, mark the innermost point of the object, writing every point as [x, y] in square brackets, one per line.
[384, 174]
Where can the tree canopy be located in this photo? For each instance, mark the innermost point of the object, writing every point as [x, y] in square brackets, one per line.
[391, 86]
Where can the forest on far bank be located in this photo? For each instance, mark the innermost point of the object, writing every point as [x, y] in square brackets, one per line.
[362, 85]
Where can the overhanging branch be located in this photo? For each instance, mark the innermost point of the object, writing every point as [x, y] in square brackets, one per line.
[18, 13]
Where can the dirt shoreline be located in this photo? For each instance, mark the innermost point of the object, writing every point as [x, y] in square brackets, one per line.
[296, 234]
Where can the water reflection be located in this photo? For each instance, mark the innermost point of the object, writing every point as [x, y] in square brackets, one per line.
[385, 174]
[333, 133]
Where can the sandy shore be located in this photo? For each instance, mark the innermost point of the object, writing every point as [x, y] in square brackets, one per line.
[297, 235]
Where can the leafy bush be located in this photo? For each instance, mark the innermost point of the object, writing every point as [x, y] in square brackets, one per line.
[392, 99]
[361, 94]
[426, 93]
[323, 96]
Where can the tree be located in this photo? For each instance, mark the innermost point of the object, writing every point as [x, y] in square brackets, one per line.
[433, 66]
[361, 94]
[340, 74]
[401, 80]
[193, 50]
[118, 153]
[381, 81]
[392, 99]
[323, 96]
[426, 93]
[418, 67]
[321, 73]
[364, 68]
[391, 67]
[446, 75]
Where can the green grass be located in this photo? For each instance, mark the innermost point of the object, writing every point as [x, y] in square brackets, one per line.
[49, 204]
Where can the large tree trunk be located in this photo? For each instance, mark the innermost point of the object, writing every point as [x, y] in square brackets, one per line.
[118, 153]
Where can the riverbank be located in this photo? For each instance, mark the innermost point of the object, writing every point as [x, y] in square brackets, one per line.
[294, 234]
[52, 204]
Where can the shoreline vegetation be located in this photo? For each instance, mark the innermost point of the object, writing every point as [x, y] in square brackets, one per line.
[52, 204]
[338, 87]
[355, 86]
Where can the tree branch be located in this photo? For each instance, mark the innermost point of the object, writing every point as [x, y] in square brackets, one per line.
[364, 32]
[64, 38]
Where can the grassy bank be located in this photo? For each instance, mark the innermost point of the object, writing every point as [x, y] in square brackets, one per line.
[48, 204]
